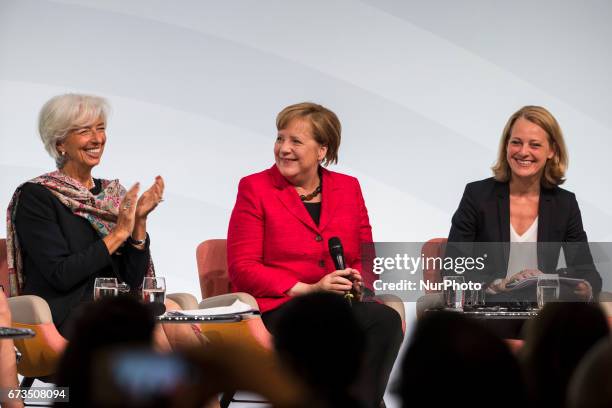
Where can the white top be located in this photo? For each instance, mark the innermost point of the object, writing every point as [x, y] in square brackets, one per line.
[523, 249]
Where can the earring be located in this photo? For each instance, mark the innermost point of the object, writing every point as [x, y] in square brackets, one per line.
[63, 153]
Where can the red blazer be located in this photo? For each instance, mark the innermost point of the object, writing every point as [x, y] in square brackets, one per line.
[273, 243]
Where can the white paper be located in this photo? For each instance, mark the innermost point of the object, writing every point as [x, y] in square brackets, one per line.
[235, 308]
[533, 280]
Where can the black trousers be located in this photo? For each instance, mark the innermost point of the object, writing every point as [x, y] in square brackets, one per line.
[383, 331]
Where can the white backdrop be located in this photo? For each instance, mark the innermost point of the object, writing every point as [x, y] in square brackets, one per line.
[423, 90]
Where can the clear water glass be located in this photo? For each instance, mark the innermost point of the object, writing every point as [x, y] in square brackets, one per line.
[154, 289]
[547, 289]
[475, 297]
[105, 287]
[454, 296]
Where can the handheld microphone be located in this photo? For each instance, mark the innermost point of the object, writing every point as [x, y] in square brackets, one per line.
[337, 253]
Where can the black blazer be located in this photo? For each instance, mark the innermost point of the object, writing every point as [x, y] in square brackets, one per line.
[63, 254]
[484, 216]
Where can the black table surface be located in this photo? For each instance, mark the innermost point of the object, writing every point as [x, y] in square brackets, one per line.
[174, 317]
[506, 323]
[15, 333]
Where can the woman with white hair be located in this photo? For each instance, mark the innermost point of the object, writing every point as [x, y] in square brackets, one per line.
[66, 228]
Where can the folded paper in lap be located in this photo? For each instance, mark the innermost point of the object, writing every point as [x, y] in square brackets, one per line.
[237, 307]
[524, 293]
[533, 281]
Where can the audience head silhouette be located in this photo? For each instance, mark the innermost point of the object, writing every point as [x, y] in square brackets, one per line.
[320, 339]
[108, 323]
[590, 384]
[453, 360]
[555, 342]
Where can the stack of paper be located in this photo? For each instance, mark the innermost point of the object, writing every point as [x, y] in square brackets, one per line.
[533, 281]
[237, 307]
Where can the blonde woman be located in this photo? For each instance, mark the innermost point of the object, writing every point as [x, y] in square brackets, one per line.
[523, 203]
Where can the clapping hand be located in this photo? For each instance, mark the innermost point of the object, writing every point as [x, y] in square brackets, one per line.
[150, 199]
[132, 214]
[127, 211]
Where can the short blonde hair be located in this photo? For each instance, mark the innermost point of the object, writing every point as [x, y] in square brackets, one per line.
[63, 113]
[554, 170]
[325, 124]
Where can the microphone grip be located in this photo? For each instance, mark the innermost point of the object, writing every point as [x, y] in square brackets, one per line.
[340, 265]
[339, 262]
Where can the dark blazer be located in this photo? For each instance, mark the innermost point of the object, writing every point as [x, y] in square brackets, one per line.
[484, 216]
[63, 254]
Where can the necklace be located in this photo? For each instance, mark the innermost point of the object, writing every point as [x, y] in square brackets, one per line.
[91, 179]
[93, 184]
[312, 195]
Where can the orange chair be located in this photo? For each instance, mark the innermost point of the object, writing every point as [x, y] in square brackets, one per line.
[39, 354]
[605, 301]
[216, 289]
[211, 256]
[214, 282]
[432, 299]
[433, 248]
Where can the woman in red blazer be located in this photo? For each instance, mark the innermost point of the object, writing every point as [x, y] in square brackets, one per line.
[279, 231]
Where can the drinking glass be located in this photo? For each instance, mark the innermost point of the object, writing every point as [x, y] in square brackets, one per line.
[454, 295]
[154, 289]
[475, 297]
[105, 287]
[548, 289]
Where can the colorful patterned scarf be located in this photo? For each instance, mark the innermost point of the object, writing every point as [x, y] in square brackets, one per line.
[100, 210]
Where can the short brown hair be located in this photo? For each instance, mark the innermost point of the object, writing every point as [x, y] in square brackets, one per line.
[554, 170]
[326, 128]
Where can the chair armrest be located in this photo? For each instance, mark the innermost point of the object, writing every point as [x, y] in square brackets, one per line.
[605, 301]
[185, 300]
[40, 353]
[429, 301]
[228, 299]
[30, 309]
